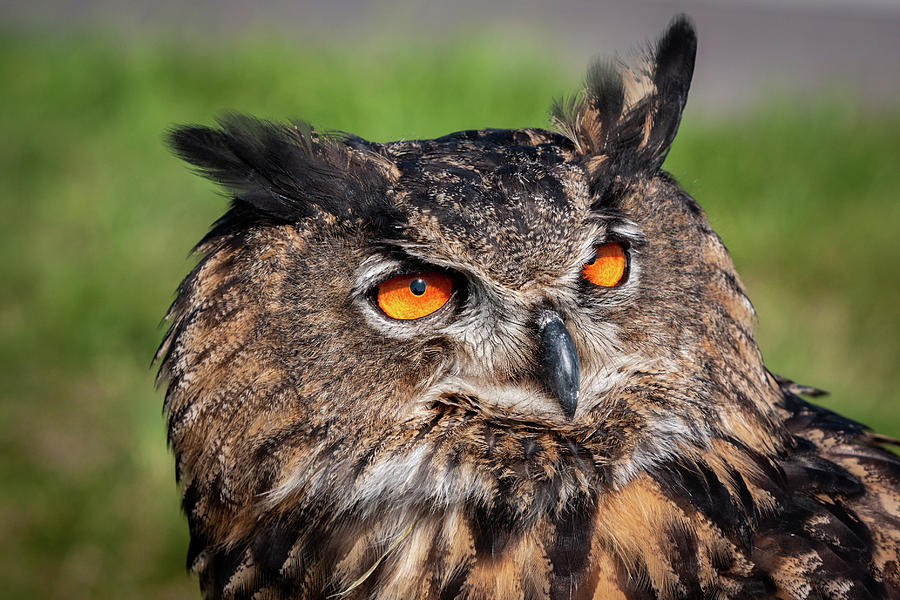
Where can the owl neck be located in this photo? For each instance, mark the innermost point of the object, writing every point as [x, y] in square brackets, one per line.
[639, 533]
[575, 533]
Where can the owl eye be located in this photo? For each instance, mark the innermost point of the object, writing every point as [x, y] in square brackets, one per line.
[413, 296]
[608, 267]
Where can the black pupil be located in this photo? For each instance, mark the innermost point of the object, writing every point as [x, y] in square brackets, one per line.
[417, 286]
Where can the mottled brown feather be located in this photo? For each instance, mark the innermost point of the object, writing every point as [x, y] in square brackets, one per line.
[327, 451]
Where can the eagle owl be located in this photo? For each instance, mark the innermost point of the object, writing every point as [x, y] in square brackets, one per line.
[499, 364]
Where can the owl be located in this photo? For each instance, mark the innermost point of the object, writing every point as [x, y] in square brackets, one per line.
[499, 364]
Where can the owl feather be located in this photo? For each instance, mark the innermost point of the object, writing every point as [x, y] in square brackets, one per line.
[499, 364]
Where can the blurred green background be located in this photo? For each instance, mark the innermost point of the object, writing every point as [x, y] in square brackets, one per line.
[98, 219]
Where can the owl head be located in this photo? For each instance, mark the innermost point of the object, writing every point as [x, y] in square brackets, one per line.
[494, 326]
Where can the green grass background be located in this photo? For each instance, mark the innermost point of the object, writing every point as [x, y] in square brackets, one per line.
[98, 217]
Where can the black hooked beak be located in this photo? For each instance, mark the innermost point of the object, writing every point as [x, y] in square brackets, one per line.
[559, 361]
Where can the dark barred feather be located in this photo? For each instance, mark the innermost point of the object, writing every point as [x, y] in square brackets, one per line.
[327, 451]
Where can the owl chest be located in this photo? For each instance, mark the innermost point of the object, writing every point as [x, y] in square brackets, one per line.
[476, 553]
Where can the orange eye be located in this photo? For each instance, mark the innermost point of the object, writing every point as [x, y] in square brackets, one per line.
[608, 266]
[413, 296]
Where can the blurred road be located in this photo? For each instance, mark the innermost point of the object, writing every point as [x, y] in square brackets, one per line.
[748, 48]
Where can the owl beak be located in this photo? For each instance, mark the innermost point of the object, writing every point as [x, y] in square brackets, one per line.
[559, 361]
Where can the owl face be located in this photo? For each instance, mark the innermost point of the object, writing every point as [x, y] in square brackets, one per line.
[506, 323]
[512, 235]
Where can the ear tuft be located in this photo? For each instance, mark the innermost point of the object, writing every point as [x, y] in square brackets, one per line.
[283, 170]
[672, 74]
[625, 119]
[675, 53]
